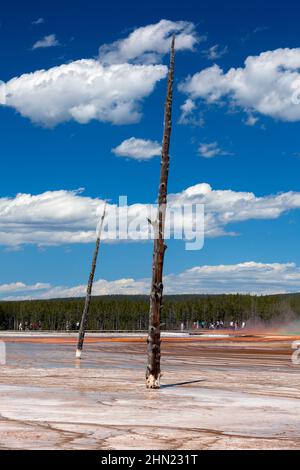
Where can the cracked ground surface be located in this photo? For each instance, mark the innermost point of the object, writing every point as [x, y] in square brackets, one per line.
[223, 394]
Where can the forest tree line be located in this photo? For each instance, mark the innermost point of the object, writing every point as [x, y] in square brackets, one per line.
[132, 312]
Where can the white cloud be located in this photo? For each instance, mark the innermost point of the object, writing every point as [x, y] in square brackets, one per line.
[248, 277]
[224, 207]
[138, 149]
[46, 41]
[47, 291]
[108, 89]
[150, 43]
[21, 287]
[38, 21]
[83, 90]
[187, 109]
[50, 218]
[68, 217]
[215, 52]
[268, 83]
[211, 150]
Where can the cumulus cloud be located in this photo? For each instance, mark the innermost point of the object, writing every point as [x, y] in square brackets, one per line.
[248, 277]
[138, 149]
[47, 41]
[83, 90]
[48, 291]
[268, 83]
[211, 150]
[224, 207]
[150, 43]
[108, 89]
[21, 287]
[68, 217]
[50, 218]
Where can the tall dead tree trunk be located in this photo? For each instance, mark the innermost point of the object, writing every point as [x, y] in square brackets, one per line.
[86, 309]
[156, 295]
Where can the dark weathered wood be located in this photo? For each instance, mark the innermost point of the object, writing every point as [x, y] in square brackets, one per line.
[153, 342]
[85, 313]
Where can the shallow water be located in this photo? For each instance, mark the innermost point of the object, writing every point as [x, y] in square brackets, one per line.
[222, 394]
[49, 356]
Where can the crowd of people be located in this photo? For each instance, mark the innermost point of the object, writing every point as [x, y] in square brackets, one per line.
[216, 325]
[204, 325]
[26, 326]
[37, 326]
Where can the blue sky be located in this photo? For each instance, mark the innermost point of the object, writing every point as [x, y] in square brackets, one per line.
[255, 140]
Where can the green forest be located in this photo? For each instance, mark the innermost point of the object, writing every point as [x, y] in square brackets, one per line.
[131, 312]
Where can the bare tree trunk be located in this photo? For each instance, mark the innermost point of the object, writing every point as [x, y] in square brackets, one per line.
[86, 309]
[156, 295]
